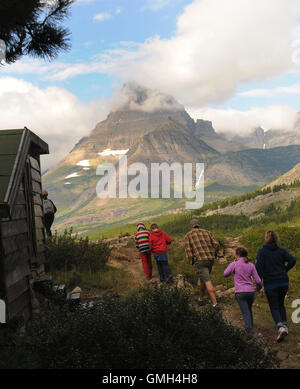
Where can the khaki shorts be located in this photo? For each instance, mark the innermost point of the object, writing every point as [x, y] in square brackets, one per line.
[203, 269]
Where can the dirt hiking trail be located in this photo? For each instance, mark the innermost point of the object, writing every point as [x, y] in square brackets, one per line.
[125, 256]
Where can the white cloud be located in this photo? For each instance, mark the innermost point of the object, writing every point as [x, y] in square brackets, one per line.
[277, 117]
[53, 113]
[272, 92]
[119, 10]
[102, 16]
[156, 5]
[218, 44]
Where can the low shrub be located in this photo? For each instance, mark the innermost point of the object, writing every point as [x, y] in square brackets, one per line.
[150, 328]
[67, 252]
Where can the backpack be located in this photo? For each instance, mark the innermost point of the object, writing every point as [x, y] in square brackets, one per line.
[48, 206]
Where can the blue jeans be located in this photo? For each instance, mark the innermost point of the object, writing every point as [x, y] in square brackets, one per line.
[276, 302]
[163, 266]
[245, 301]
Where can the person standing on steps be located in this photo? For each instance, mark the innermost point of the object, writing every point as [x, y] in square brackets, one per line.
[272, 264]
[142, 244]
[244, 272]
[49, 212]
[159, 242]
[201, 248]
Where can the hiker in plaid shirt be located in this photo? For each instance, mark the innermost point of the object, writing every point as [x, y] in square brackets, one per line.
[201, 248]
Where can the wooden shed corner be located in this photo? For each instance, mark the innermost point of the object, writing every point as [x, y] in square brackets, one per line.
[22, 235]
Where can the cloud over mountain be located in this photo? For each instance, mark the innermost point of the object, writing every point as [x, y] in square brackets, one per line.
[238, 122]
[133, 96]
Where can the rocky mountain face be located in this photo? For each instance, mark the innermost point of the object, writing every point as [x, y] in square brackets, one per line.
[291, 177]
[148, 126]
[252, 165]
[262, 139]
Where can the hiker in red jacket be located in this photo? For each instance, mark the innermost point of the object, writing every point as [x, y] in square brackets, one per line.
[159, 242]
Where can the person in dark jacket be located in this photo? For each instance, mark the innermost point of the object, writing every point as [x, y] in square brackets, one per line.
[49, 212]
[272, 264]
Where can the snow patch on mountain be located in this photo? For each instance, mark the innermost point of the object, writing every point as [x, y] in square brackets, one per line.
[108, 152]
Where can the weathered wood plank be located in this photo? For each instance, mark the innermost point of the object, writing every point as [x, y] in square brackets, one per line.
[20, 198]
[14, 227]
[39, 222]
[35, 175]
[14, 243]
[21, 271]
[40, 247]
[19, 212]
[37, 199]
[38, 211]
[4, 212]
[34, 164]
[36, 187]
[40, 259]
[16, 290]
[40, 235]
[11, 261]
[21, 305]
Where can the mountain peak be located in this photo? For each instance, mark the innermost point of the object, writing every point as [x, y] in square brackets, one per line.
[135, 97]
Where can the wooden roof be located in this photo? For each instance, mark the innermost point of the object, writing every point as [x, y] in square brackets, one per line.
[14, 148]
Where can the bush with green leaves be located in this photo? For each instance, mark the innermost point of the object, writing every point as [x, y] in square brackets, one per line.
[151, 328]
[67, 252]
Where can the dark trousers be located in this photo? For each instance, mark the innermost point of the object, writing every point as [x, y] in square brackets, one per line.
[276, 302]
[163, 270]
[48, 219]
[245, 301]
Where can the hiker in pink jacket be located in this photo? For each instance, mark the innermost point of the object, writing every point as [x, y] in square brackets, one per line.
[244, 273]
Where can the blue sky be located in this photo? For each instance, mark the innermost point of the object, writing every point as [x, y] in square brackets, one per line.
[136, 21]
[127, 21]
[234, 63]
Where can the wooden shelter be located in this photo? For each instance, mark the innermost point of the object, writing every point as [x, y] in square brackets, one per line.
[22, 236]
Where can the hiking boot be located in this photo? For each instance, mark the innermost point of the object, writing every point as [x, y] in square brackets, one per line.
[286, 327]
[282, 333]
[201, 303]
[217, 307]
[149, 278]
[249, 333]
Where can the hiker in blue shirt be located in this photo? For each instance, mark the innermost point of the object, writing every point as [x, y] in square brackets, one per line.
[272, 264]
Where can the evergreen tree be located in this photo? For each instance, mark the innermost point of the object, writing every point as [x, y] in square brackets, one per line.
[33, 27]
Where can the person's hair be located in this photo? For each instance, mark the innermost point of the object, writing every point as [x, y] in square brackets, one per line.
[242, 253]
[154, 226]
[271, 237]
